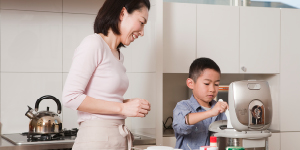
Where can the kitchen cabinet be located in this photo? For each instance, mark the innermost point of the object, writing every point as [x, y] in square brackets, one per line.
[218, 35]
[289, 140]
[179, 30]
[274, 142]
[239, 39]
[259, 40]
[290, 70]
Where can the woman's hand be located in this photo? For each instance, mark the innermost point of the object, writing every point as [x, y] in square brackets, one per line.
[220, 107]
[135, 107]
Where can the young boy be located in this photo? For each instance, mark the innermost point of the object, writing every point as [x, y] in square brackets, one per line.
[192, 117]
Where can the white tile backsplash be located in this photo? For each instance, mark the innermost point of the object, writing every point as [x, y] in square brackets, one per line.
[35, 5]
[31, 41]
[152, 2]
[143, 57]
[75, 28]
[69, 117]
[19, 90]
[128, 94]
[38, 40]
[80, 6]
[139, 55]
[127, 52]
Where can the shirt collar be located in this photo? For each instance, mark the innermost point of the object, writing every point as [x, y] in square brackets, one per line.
[196, 105]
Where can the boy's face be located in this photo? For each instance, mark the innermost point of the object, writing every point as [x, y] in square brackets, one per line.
[207, 86]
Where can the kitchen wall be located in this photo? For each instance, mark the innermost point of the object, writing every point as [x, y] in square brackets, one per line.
[38, 39]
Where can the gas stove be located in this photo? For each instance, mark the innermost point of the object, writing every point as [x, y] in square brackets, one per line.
[26, 138]
[59, 141]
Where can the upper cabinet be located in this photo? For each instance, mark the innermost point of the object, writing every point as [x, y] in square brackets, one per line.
[259, 40]
[238, 39]
[218, 35]
[289, 70]
[179, 30]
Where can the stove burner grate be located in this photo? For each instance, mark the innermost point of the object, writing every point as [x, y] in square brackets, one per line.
[34, 137]
[72, 132]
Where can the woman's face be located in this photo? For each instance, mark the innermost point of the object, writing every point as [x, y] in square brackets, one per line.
[132, 25]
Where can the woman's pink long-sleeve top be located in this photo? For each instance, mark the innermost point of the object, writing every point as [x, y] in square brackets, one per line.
[97, 73]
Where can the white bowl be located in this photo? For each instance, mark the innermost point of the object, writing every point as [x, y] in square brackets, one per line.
[159, 148]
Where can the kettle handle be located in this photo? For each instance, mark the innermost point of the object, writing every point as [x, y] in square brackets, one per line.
[48, 97]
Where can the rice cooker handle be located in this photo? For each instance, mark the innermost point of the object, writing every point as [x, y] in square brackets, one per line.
[48, 97]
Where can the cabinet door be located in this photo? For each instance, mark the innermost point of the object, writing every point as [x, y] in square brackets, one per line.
[179, 30]
[259, 39]
[289, 140]
[218, 35]
[274, 142]
[290, 70]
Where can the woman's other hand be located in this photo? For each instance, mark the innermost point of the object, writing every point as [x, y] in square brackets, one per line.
[135, 107]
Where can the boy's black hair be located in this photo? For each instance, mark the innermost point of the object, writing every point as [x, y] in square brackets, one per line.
[109, 13]
[199, 65]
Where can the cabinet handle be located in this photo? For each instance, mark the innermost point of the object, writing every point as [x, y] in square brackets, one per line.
[244, 69]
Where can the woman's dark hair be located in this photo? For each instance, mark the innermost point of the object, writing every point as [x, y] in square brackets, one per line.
[199, 65]
[109, 13]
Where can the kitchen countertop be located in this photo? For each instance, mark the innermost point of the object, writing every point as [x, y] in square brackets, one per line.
[6, 145]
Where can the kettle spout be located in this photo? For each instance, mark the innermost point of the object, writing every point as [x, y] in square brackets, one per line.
[29, 113]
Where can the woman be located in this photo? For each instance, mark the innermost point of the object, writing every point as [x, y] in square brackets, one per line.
[97, 79]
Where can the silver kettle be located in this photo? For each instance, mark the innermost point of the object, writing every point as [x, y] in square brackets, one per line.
[44, 122]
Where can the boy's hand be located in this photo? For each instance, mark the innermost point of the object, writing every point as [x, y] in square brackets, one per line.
[220, 107]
